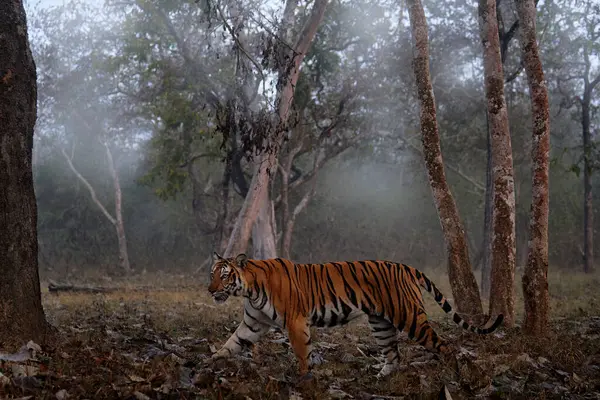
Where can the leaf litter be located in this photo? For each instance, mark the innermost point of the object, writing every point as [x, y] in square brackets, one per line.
[153, 344]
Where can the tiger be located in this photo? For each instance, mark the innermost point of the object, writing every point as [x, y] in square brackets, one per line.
[294, 297]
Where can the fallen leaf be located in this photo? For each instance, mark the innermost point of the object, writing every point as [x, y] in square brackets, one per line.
[338, 394]
[4, 380]
[140, 396]
[135, 378]
[24, 370]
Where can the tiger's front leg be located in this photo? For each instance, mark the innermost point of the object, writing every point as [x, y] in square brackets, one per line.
[250, 330]
[300, 340]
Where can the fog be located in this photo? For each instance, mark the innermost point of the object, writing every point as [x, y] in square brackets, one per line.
[152, 89]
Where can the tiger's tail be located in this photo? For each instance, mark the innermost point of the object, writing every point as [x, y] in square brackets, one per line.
[428, 285]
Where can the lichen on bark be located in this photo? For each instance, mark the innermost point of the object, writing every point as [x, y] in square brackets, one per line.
[535, 277]
[503, 212]
[463, 283]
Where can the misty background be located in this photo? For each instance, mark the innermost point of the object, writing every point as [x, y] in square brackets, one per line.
[144, 79]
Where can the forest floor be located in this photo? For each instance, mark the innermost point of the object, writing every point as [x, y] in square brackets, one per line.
[148, 340]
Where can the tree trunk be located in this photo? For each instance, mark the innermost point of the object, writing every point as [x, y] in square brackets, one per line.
[487, 220]
[119, 223]
[219, 241]
[462, 280]
[21, 314]
[535, 278]
[503, 215]
[588, 210]
[267, 161]
[264, 243]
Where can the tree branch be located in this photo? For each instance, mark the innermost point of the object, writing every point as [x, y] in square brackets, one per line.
[90, 189]
[194, 157]
[595, 82]
[236, 39]
[152, 9]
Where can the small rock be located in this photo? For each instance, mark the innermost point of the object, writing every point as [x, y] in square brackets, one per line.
[61, 394]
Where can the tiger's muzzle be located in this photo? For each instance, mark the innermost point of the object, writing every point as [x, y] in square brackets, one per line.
[220, 297]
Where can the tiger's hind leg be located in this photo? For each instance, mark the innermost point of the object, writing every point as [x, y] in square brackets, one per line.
[421, 331]
[386, 336]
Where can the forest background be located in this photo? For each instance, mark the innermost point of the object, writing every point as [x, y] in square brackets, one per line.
[156, 96]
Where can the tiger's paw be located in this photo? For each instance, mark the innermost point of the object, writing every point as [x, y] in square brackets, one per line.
[386, 370]
[305, 379]
[315, 359]
[219, 355]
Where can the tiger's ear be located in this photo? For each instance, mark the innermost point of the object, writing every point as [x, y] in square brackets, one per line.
[241, 260]
[216, 257]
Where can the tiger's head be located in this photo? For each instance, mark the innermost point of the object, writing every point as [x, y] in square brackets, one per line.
[226, 277]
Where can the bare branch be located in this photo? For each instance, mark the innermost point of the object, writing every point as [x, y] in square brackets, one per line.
[515, 74]
[238, 42]
[194, 157]
[594, 82]
[90, 189]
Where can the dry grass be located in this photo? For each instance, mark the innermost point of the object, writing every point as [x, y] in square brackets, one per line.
[152, 342]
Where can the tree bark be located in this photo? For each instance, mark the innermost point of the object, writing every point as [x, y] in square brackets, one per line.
[535, 277]
[264, 241]
[503, 215]
[586, 105]
[462, 280]
[119, 223]
[588, 209]
[267, 161]
[22, 317]
[487, 221]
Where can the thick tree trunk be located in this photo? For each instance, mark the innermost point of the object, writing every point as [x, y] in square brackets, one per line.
[264, 243]
[21, 314]
[119, 223]
[219, 240]
[487, 222]
[287, 225]
[267, 161]
[588, 210]
[535, 278]
[503, 215]
[464, 285]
